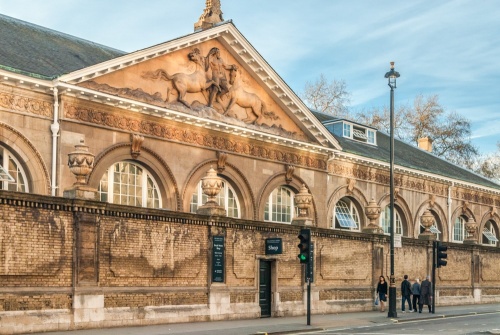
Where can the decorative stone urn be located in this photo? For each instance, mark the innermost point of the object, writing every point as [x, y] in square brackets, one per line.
[211, 185]
[81, 163]
[471, 229]
[303, 201]
[427, 220]
[372, 211]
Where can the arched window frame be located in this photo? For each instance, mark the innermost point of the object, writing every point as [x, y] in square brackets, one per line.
[14, 169]
[150, 196]
[459, 229]
[345, 210]
[385, 221]
[281, 204]
[226, 198]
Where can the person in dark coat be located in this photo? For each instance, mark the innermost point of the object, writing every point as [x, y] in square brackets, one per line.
[425, 294]
[406, 294]
[382, 292]
[415, 291]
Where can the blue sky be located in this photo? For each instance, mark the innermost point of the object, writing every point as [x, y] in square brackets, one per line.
[449, 48]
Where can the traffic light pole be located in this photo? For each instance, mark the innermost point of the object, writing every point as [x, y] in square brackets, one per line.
[433, 283]
[308, 300]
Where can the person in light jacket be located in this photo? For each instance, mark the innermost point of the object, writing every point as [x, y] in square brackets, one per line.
[415, 290]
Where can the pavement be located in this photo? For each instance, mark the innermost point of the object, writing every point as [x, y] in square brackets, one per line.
[289, 325]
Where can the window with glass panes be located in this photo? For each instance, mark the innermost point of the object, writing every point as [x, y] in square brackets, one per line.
[345, 215]
[490, 234]
[279, 206]
[127, 183]
[459, 229]
[12, 167]
[385, 221]
[226, 198]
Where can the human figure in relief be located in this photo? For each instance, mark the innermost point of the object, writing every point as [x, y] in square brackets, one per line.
[219, 84]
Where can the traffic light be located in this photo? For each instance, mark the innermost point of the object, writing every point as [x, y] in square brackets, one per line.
[441, 254]
[304, 245]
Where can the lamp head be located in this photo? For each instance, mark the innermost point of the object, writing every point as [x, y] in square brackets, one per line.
[391, 76]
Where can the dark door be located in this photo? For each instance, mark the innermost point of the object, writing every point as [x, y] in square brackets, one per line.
[265, 289]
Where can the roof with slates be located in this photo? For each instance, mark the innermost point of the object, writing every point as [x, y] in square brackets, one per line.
[40, 52]
[406, 155]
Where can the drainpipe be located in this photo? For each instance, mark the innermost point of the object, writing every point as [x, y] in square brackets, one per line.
[449, 202]
[54, 127]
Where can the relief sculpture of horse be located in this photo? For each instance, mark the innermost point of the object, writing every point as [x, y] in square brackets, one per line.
[237, 95]
[183, 83]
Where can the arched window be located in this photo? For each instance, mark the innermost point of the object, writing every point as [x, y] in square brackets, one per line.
[345, 215]
[226, 198]
[279, 206]
[13, 176]
[490, 234]
[459, 229]
[385, 221]
[128, 183]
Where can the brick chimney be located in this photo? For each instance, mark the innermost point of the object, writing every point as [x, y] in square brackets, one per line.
[425, 143]
[210, 17]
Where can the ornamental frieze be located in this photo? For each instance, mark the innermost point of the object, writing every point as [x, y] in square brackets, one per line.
[373, 175]
[475, 197]
[24, 104]
[188, 136]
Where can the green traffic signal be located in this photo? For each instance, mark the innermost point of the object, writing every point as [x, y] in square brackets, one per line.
[305, 242]
[302, 257]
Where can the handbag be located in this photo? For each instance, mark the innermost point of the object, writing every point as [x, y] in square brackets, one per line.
[376, 301]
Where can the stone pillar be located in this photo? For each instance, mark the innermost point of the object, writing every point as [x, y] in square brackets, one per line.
[471, 229]
[211, 185]
[427, 220]
[372, 211]
[303, 201]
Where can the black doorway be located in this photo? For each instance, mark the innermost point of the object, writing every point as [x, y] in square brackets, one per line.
[265, 289]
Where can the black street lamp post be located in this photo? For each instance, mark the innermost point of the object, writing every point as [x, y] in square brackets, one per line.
[391, 76]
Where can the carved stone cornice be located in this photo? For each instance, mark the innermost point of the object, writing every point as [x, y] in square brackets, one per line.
[185, 135]
[27, 105]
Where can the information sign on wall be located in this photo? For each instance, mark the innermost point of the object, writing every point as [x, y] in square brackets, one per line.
[218, 259]
[274, 246]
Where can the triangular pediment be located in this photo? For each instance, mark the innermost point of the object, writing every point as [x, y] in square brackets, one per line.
[213, 74]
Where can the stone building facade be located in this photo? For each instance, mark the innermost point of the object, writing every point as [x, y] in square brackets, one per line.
[105, 218]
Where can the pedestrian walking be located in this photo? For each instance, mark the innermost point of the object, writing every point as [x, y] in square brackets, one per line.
[382, 292]
[426, 294]
[415, 291]
[406, 294]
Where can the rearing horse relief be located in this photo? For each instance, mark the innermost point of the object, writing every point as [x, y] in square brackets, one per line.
[210, 79]
[183, 83]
